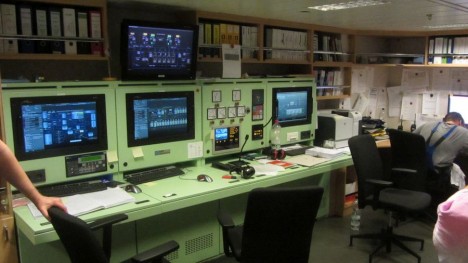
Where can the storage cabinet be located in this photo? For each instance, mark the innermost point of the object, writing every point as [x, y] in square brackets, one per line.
[53, 30]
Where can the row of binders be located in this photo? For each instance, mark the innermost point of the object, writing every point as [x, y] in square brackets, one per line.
[329, 77]
[283, 44]
[448, 45]
[329, 45]
[212, 35]
[52, 29]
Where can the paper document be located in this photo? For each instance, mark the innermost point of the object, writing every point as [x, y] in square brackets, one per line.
[327, 153]
[86, 203]
[307, 160]
[231, 61]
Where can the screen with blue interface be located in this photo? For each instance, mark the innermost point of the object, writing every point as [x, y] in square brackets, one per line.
[153, 51]
[292, 106]
[159, 117]
[59, 125]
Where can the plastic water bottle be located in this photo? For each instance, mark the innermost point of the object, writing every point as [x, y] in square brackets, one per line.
[355, 217]
[276, 135]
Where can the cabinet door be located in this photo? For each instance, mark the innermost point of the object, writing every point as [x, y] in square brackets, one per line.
[8, 252]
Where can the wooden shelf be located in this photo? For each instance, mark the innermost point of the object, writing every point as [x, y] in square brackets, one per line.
[336, 97]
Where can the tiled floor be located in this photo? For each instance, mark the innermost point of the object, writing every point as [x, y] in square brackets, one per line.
[330, 241]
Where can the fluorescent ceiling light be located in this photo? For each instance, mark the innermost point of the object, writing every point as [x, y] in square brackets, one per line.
[350, 4]
[447, 26]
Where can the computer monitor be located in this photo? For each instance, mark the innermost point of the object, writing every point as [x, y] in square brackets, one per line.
[458, 103]
[292, 106]
[155, 51]
[49, 126]
[158, 124]
[159, 117]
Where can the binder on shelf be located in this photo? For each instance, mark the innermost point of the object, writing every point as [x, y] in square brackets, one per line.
[96, 48]
[95, 24]
[9, 27]
[57, 47]
[55, 24]
[70, 47]
[223, 33]
[216, 34]
[69, 29]
[69, 22]
[83, 47]
[25, 17]
[25, 29]
[42, 46]
[41, 22]
[82, 24]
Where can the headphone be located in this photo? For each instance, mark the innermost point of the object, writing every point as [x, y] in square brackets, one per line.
[245, 171]
[277, 154]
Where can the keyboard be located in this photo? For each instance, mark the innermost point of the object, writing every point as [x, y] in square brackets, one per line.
[61, 190]
[153, 174]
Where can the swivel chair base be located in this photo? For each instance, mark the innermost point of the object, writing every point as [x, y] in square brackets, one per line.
[387, 238]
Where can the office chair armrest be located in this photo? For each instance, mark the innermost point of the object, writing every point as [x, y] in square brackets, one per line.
[381, 183]
[404, 170]
[225, 220]
[107, 221]
[156, 252]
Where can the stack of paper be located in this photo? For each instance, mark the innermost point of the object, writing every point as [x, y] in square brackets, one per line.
[86, 203]
[326, 152]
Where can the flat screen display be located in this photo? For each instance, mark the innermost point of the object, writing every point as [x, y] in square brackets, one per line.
[292, 106]
[58, 125]
[153, 51]
[459, 103]
[160, 117]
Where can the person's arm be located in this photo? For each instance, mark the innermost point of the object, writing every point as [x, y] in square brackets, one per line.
[11, 170]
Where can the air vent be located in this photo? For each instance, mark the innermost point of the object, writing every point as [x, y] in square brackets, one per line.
[198, 244]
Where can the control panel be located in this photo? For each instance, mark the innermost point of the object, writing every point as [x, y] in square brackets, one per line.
[85, 164]
[226, 138]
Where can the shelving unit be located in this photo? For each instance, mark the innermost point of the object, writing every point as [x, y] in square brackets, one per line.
[448, 50]
[390, 50]
[36, 30]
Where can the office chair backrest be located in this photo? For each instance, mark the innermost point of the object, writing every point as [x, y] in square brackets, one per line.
[368, 165]
[278, 224]
[408, 152]
[78, 239]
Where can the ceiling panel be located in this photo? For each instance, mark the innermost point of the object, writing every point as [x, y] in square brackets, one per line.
[397, 15]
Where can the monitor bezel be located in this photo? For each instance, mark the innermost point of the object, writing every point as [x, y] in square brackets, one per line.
[100, 144]
[130, 115]
[307, 120]
[127, 74]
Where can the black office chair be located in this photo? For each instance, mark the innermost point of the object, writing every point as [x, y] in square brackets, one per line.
[378, 193]
[277, 227]
[409, 167]
[82, 245]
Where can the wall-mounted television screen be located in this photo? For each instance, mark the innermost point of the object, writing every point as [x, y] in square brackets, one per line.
[159, 117]
[155, 51]
[58, 125]
[292, 105]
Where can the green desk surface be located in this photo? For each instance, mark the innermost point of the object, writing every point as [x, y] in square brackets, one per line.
[186, 190]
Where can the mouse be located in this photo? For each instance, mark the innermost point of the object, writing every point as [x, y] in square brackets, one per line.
[133, 188]
[204, 178]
